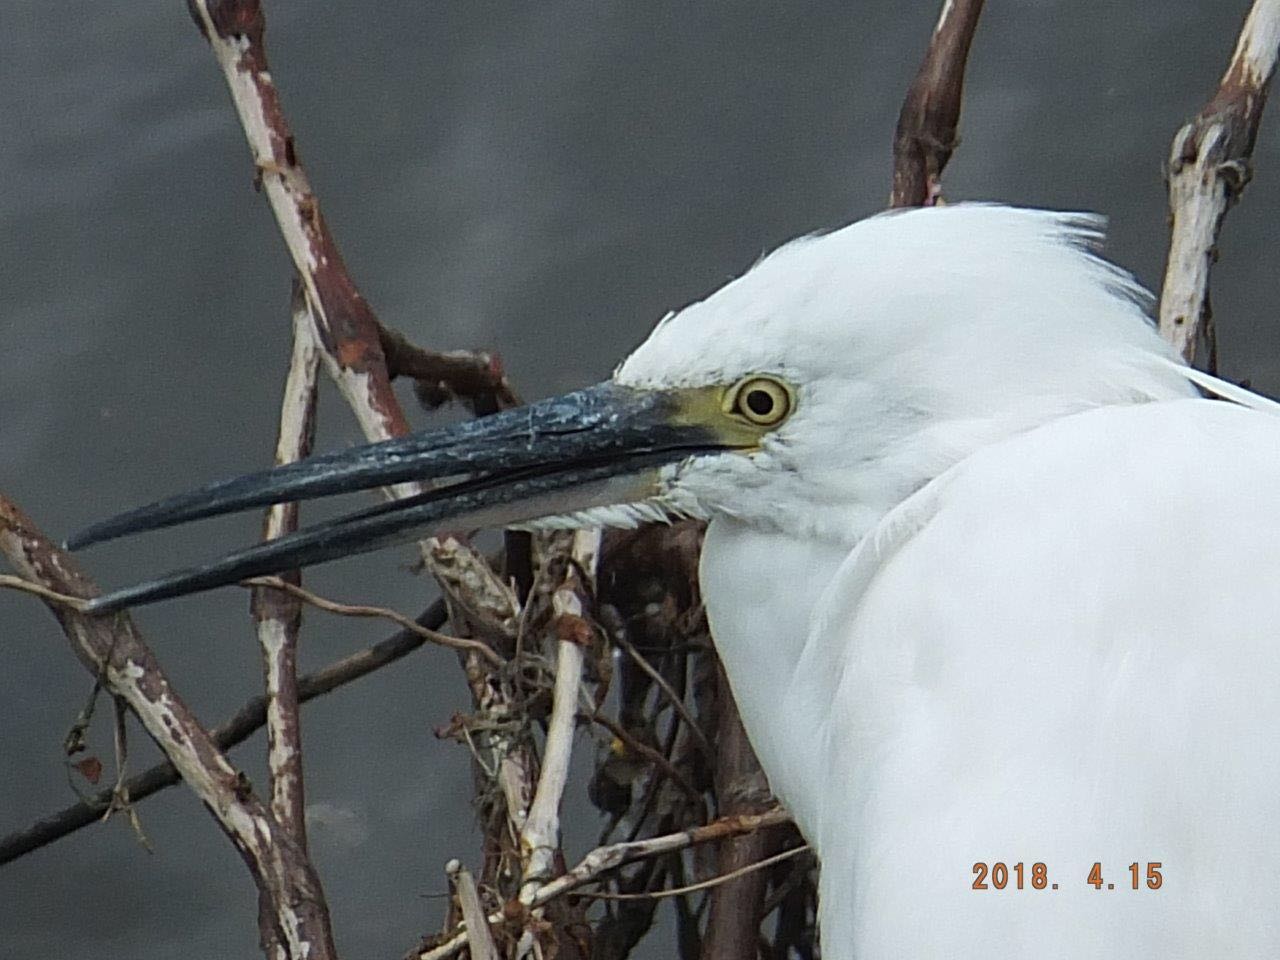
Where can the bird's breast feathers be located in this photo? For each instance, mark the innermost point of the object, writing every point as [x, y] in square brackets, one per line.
[1063, 650]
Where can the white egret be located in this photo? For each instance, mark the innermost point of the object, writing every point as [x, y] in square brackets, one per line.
[995, 585]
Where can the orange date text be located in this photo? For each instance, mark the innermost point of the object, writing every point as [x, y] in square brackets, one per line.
[1021, 876]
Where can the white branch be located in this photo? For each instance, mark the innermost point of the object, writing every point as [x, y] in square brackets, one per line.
[277, 615]
[1209, 166]
[603, 859]
[540, 837]
[478, 935]
[293, 442]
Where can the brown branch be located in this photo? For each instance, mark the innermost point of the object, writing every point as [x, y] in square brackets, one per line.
[461, 644]
[691, 724]
[926, 132]
[111, 649]
[242, 724]
[1209, 166]
[708, 884]
[655, 757]
[474, 378]
[346, 326]
[733, 927]
[10, 582]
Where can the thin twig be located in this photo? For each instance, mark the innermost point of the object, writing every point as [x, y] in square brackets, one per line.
[120, 799]
[462, 644]
[1209, 166]
[700, 885]
[475, 378]
[112, 647]
[602, 859]
[656, 757]
[676, 701]
[10, 582]
[243, 724]
[926, 133]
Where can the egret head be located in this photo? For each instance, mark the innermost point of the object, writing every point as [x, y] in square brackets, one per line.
[811, 395]
[903, 343]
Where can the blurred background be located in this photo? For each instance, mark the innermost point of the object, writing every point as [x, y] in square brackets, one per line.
[544, 180]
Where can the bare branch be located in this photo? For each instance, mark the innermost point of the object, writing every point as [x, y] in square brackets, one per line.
[1209, 166]
[926, 133]
[476, 379]
[243, 724]
[711, 882]
[277, 614]
[489, 604]
[656, 757]
[741, 788]
[111, 647]
[540, 838]
[346, 326]
[677, 703]
[461, 644]
[603, 859]
[479, 938]
[10, 582]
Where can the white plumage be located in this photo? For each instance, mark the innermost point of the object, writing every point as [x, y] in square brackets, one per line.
[1002, 589]
[992, 582]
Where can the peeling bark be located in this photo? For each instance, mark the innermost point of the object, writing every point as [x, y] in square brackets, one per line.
[111, 648]
[345, 324]
[278, 616]
[1210, 163]
[247, 720]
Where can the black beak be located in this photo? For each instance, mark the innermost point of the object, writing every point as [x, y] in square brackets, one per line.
[597, 447]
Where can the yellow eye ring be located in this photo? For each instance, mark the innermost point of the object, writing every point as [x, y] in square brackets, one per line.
[760, 400]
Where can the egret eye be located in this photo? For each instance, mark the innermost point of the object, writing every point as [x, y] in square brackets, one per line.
[763, 401]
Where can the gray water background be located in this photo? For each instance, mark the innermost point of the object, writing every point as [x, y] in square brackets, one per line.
[541, 179]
